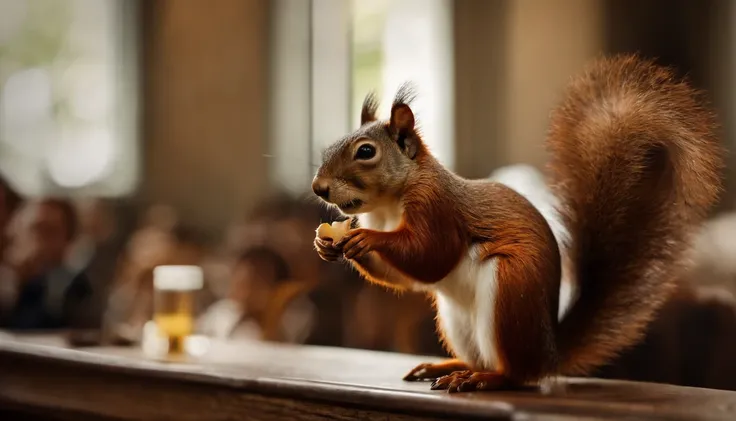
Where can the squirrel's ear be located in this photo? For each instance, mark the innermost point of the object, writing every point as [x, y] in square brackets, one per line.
[402, 125]
[402, 118]
[402, 121]
[370, 107]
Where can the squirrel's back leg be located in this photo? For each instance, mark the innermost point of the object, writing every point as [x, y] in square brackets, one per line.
[523, 322]
[525, 316]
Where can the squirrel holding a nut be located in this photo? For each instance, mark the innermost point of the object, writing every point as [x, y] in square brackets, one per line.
[635, 167]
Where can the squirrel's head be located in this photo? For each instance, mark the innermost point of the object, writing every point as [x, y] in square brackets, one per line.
[369, 167]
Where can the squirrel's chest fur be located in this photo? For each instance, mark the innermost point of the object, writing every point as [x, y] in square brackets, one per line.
[465, 299]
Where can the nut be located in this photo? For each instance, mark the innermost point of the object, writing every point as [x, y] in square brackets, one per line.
[334, 231]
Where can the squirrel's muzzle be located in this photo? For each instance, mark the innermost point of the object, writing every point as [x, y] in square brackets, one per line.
[321, 188]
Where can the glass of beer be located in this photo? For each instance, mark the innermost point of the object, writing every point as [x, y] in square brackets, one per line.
[175, 290]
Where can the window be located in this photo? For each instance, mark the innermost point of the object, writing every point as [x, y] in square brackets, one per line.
[395, 41]
[328, 54]
[68, 96]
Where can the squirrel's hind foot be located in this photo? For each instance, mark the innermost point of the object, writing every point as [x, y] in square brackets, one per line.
[469, 381]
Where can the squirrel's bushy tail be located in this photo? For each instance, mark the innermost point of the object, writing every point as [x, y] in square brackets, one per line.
[636, 163]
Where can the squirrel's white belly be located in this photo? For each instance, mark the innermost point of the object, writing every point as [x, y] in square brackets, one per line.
[465, 307]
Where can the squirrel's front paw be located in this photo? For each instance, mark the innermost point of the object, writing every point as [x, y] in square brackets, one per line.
[356, 243]
[327, 250]
[327, 237]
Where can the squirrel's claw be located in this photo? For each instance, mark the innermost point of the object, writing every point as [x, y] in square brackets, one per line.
[420, 372]
[451, 381]
[432, 371]
[468, 381]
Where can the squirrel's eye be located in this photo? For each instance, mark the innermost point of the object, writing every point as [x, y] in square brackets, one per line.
[365, 152]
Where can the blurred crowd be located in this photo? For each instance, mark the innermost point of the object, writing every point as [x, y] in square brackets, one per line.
[86, 265]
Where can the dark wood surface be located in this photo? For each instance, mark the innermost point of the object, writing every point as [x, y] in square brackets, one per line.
[256, 381]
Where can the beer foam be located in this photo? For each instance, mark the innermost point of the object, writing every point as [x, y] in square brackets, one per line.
[178, 278]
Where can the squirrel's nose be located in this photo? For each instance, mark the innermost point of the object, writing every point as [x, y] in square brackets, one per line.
[321, 188]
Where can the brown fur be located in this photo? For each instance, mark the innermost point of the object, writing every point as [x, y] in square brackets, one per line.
[519, 238]
[528, 282]
[413, 248]
[635, 164]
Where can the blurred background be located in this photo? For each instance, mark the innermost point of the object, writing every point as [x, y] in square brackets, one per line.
[135, 134]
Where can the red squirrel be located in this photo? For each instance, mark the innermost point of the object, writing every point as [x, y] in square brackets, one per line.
[635, 165]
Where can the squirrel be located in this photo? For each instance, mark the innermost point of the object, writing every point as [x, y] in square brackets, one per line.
[635, 165]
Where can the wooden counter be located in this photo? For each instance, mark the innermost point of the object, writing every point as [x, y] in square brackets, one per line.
[255, 381]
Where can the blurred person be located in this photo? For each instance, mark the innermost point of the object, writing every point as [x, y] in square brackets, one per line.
[97, 230]
[334, 297]
[159, 240]
[97, 247]
[284, 224]
[264, 301]
[38, 290]
[9, 203]
[151, 244]
[385, 321]
[152, 235]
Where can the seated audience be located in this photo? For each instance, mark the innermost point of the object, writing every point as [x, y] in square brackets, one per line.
[38, 290]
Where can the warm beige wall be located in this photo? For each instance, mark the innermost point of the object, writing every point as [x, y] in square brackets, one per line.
[513, 58]
[548, 42]
[205, 93]
[480, 30]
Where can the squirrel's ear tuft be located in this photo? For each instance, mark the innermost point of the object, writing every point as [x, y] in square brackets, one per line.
[370, 107]
[406, 94]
